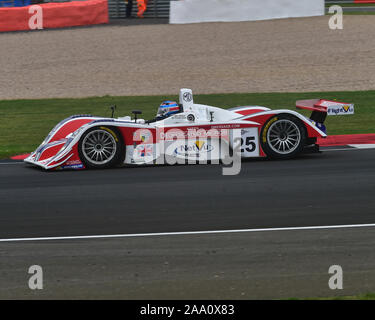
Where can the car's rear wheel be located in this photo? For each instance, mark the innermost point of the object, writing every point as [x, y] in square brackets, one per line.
[101, 147]
[283, 137]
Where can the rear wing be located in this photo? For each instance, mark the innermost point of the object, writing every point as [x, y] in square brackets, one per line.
[330, 108]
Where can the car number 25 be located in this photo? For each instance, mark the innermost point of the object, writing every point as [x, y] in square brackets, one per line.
[249, 142]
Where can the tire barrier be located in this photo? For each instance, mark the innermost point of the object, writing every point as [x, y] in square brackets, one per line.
[54, 15]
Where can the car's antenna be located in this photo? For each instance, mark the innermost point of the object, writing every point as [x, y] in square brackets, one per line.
[113, 108]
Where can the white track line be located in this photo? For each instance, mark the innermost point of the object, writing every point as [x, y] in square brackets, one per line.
[135, 235]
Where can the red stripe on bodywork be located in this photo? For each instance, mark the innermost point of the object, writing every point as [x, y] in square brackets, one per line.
[69, 127]
[51, 151]
[246, 112]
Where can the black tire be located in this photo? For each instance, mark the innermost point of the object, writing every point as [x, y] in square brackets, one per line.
[101, 147]
[283, 137]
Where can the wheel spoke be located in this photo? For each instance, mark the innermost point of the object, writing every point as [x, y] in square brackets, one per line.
[288, 144]
[106, 151]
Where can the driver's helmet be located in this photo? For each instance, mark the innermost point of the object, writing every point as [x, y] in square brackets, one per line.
[167, 108]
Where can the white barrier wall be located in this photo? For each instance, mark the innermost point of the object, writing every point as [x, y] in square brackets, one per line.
[193, 11]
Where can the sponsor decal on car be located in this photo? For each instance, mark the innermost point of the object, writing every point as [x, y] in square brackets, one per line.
[179, 117]
[144, 150]
[73, 162]
[197, 148]
[192, 133]
[340, 109]
[187, 96]
[73, 166]
[142, 136]
[226, 126]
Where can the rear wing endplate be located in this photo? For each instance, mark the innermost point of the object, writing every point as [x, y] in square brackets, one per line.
[331, 108]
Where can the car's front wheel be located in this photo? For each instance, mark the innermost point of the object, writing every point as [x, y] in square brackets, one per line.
[283, 137]
[101, 147]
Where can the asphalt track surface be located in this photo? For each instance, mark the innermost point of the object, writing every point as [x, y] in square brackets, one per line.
[331, 188]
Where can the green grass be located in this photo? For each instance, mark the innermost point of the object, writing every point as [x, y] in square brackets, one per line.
[25, 123]
[356, 5]
[351, 5]
[368, 296]
[359, 13]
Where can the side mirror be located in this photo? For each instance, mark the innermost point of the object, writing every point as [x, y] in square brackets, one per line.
[135, 112]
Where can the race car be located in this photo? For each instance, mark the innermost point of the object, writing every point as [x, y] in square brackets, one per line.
[185, 132]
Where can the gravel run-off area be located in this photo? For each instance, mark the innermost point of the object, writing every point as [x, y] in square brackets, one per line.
[300, 54]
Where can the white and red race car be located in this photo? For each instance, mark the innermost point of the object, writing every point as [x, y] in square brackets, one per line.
[190, 132]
